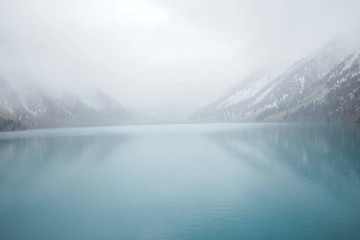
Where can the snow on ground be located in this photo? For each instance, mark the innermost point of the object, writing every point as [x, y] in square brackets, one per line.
[263, 95]
[301, 79]
[245, 93]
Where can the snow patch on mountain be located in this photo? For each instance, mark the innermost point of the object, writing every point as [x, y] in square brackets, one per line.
[304, 83]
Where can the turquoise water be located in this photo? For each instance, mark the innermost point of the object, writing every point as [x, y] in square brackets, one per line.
[209, 181]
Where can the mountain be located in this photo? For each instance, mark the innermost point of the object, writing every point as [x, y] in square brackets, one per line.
[338, 95]
[236, 101]
[24, 105]
[307, 85]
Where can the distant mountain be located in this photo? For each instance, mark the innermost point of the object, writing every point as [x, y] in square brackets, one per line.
[25, 105]
[236, 101]
[316, 81]
[337, 95]
[9, 123]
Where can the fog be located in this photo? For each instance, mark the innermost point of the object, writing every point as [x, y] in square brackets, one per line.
[160, 55]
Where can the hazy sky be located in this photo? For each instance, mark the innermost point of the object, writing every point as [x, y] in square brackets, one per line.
[157, 53]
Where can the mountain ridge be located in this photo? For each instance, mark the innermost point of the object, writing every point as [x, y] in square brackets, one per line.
[282, 96]
[24, 105]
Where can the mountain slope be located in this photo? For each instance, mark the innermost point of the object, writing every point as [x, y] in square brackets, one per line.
[29, 106]
[234, 97]
[340, 98]
[280, 96]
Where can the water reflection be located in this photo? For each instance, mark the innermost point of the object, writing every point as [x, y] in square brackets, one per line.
[325, 154]
[221, 181]
[35, 154]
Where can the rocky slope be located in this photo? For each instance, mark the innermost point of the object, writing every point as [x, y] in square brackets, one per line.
[25, 105]
[337, 95]
[325, 82]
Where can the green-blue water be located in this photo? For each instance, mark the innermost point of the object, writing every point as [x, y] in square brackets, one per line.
[210, 181]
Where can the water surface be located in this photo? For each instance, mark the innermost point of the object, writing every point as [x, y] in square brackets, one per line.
[209, 181]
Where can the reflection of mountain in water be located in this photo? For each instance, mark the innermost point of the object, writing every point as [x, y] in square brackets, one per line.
[322, 154]
[20, 155]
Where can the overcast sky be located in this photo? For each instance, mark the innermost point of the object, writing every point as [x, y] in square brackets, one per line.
[153, 53]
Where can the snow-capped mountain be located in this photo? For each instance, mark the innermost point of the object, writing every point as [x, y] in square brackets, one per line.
[24, 104]
[234, 101]
[336, 97]
[274, 97]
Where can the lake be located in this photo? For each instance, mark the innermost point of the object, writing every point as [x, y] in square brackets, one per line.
[196, 181]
